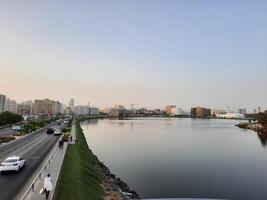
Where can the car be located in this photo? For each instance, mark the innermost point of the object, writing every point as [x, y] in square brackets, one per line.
[65, 122]
[50, 131]
[13, 163]
[57, 132]
[16, 128]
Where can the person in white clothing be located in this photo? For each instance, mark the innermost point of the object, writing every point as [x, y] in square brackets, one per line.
[48, 186]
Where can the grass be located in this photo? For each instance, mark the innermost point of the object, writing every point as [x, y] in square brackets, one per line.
[80, 177]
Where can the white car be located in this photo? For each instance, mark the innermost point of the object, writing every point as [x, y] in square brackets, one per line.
[57, 132]
[16, 128]
[13, 163]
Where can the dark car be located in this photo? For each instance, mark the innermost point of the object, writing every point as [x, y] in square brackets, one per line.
[50, 131]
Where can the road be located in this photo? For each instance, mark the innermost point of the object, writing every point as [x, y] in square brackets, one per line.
[7, 131]
[34, 148]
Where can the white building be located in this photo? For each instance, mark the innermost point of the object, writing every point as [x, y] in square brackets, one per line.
[2, 102]
[231, 116]
[85, 110]
[11, 106]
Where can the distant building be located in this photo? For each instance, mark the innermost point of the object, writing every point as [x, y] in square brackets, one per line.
[94, 111]
[81, 110]
[71, 104]
[171, 110]
[217, 112]
[2, 102]
[259, 109]
[242, 110]
[25, 107]
[11, 106]
[46, 107]
[200, 112]
[255, 111]
[231, 116]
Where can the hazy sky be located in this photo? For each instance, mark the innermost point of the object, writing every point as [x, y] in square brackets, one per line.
[210, 53]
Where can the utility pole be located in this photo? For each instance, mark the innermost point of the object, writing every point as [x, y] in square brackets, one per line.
[89, 113]
[21, 122]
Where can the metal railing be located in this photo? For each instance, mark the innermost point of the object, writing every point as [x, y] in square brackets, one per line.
[38, 177]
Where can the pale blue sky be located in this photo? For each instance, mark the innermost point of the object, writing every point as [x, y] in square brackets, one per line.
[187, 53]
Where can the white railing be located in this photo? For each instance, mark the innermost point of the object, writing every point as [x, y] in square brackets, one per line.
[38, 177]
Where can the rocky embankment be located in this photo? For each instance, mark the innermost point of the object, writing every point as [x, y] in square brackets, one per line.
[114, 187]
[253, 126]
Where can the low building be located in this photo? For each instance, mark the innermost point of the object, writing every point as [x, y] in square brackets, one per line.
[218, 112]
[2, 102]
[81, 110]
[231, 116]
[200, 112]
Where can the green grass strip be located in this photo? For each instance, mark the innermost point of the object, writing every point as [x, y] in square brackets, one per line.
[80, 177]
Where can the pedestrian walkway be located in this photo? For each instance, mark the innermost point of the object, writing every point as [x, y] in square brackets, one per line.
[53, 169]
[73, 132]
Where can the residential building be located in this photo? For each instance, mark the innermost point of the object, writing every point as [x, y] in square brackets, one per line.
[200, 112]
[171, 110]
[2, 102]
[46, 107]
[11, 106]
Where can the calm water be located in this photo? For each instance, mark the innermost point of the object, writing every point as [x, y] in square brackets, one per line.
[182, 157]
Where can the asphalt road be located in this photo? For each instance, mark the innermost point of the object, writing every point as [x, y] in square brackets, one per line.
[34, 148]
[7, 131]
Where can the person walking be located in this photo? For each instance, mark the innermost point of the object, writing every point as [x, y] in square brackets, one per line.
[48, 186]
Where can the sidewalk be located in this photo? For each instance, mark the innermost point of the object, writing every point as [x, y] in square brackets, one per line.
[53, 169]
[73, 132]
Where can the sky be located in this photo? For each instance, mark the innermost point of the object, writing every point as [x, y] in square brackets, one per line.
[146, 52]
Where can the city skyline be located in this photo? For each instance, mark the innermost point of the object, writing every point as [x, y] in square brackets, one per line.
[185, 53]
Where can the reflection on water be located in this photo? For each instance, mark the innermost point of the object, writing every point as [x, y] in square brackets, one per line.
[182, 157]
[263, 138]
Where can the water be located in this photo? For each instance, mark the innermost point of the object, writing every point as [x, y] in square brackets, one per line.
[182, 157]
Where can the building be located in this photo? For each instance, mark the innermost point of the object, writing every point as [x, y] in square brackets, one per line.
[81, 110]
[93, 111]
[46, 107]
[200, 112]
[10, 106]
[242, 110]
[171, 110]
[2, 102]
[71, 104]
[217, 112]
[25, 107]
[259, 109]
[231, 116]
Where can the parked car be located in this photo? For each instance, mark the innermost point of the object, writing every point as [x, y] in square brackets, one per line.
[13, 163]
[16, 128]
[57, 132]
[50, 131]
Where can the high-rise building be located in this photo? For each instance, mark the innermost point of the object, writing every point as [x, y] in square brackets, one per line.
[200, 112]
[259, 109]
[171, 110]
[2, 102]
[71, 103]
[254, 110]
[11, 106]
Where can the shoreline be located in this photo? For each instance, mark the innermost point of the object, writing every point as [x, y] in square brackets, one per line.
[257, 127]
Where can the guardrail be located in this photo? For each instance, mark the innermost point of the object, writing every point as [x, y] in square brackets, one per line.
[38, 177]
